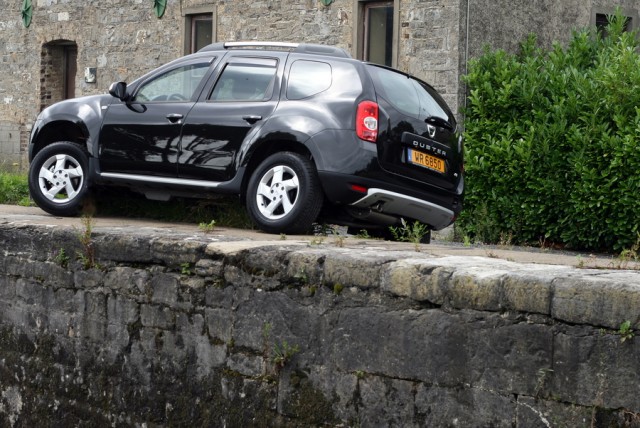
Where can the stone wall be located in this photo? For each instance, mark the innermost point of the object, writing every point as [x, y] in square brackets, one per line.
[123, 39]
[505, 24]
[155, 328]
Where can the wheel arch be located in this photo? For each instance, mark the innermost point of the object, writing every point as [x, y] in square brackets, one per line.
[59, 130]
[265, 150]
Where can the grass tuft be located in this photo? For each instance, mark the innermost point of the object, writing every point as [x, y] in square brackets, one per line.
[14, 189]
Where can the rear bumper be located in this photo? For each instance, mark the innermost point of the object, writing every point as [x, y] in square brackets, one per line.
[379, 201]
[396, 204]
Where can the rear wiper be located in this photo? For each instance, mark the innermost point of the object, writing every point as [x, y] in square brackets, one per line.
[438, 121]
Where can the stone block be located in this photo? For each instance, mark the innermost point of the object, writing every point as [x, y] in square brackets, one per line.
[164, 289]
[122, 311]
[90, 278]
[191, 293]
[219, 297]
[417, 280]
[122, 247]
[532, 412]
[209, 268]
[373, 340]
[305, 267]
[65, 300]
[30, 292]
[463, 406]
[362, 270]
[389, 400]
[595, 369]
[219, 323]
[7, 289]
[246, 365]
[157, 316]
[174, 253]
[527, 293]
[209, 357]
[193, 325]
[467, 289]
[127, 280]
[597, 299]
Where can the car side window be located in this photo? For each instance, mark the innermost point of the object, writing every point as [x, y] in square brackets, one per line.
[178, 84]
[245, 82]
[307, 78]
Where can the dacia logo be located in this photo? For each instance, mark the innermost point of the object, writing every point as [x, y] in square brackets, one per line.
[429, 148]
[431, 130]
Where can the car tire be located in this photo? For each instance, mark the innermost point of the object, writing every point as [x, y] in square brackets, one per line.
[284, 194]
[58, 178]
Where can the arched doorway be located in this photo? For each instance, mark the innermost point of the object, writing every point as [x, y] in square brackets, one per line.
[58, 69]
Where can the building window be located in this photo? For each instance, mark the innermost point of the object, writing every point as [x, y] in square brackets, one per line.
[601, 20]
[201, 31]
[200, 28]
[377, 29]
[378, 32]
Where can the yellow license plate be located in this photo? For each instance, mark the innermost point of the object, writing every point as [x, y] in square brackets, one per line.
[425, 160]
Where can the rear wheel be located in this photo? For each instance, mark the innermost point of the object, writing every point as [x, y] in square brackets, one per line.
[284, 194]
[58, 178]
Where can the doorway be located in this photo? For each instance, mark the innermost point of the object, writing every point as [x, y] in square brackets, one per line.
[58, 69]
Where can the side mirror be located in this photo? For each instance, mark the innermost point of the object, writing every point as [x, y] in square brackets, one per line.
[119, 90]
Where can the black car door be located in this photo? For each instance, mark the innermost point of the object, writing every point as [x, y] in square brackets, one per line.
[142, 135]
[244, 94]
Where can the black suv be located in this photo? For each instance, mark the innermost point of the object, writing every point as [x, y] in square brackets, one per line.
[298, 130]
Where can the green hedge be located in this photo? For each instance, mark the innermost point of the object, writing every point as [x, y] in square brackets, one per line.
[552, 143]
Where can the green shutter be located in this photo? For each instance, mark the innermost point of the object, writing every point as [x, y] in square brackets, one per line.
[27, 13]
[159, 7]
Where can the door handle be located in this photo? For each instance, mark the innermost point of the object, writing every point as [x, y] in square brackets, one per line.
[251, 118]
[174, 117]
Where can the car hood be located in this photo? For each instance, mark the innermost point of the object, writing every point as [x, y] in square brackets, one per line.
[86, 108]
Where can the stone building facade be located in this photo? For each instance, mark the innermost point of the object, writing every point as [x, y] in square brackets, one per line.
[78, 47]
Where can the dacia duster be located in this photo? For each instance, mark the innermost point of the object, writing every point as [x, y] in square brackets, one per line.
[297, 130]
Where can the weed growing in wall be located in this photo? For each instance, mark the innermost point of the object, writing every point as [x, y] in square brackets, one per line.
[87, 256]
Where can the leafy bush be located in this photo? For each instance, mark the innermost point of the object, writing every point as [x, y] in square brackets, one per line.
[552, 143]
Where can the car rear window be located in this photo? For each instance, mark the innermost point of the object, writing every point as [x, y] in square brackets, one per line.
[408, 95]
[308, 78]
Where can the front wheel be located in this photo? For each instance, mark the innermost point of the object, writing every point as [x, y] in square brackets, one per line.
[284, 194]
[58, 178]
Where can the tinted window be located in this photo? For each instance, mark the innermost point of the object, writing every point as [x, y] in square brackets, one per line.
[178, 84]
[307, 78]
[409, 95]
[244, 82]
[430, 102]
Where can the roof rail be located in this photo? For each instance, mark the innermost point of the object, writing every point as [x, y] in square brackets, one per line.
[308, 48]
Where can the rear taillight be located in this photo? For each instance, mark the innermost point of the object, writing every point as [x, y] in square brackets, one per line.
[358, 188]
[367, 121]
